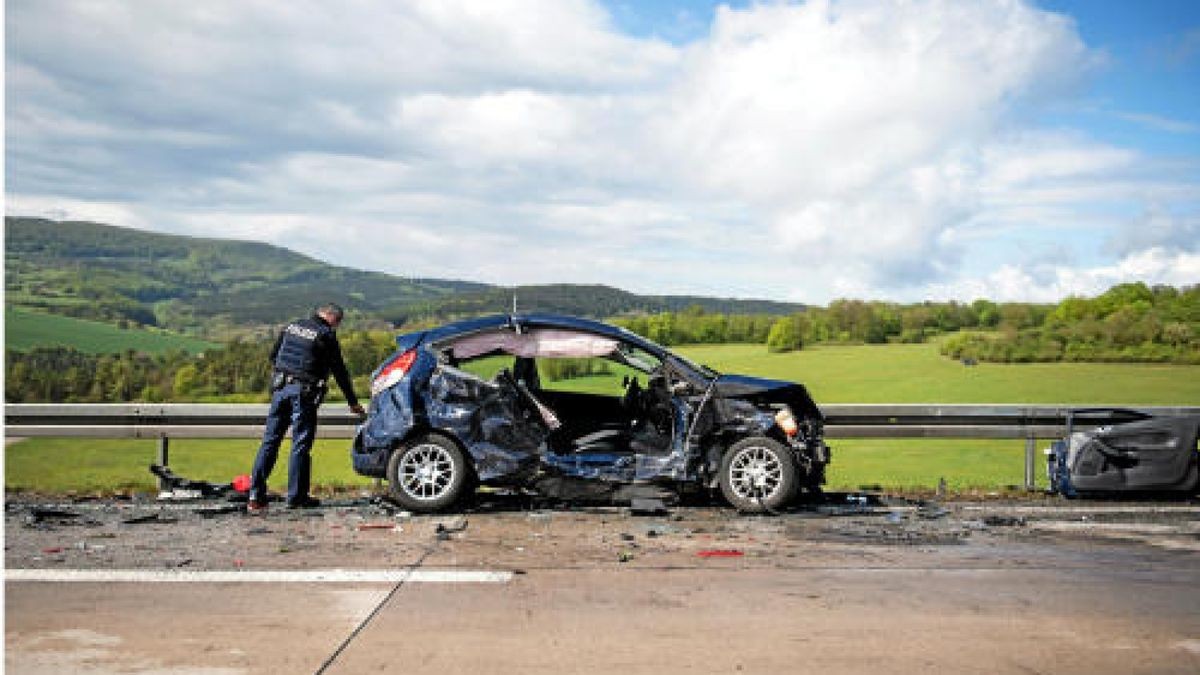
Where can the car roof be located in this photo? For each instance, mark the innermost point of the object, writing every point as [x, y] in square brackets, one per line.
[531, 320]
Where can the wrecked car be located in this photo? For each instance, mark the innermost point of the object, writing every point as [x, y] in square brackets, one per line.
[579, 410]
[1129, 452]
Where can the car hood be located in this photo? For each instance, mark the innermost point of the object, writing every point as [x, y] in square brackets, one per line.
[763, 391]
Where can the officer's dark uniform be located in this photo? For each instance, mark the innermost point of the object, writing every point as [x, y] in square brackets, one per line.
[306, 352]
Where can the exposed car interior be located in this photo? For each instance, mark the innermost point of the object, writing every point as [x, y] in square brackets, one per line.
[621, 405]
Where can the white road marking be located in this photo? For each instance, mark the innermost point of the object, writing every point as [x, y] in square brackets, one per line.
[327, 576]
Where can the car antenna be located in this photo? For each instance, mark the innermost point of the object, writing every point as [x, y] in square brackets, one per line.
[513, 319]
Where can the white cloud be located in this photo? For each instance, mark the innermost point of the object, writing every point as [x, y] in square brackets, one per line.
[800, 151]
[1159, 229]
[55, 207]
[1051, 283]
[857, 130]
[506, 127]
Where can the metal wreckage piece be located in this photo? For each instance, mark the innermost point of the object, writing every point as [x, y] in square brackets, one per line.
[1132, 452]
[182, 489]
[653, 442]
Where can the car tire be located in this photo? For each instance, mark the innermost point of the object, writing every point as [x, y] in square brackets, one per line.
[428, 474]
[758, 474]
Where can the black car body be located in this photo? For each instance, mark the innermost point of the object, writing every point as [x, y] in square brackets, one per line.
[1129, 452]
[490, 401]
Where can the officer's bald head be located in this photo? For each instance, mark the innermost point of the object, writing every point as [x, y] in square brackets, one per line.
[332, 313]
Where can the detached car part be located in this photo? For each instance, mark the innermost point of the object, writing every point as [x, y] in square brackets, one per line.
[1131, 452]
[465, 404]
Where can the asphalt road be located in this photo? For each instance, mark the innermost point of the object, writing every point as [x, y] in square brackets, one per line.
[972, 588]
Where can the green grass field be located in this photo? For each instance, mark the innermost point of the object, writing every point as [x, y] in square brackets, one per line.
[103, 466]
[24, 330]
[918, 374]
[92, 465]
[867, 374]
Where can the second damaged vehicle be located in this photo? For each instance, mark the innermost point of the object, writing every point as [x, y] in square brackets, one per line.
[580, 410]
[1122, 451]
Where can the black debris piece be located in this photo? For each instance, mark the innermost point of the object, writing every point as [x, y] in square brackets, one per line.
[149, 519]
[203, 487]
[214, 511]
[52, 514]
[932, 511]
[443, 531]
[1004, 521]
[46, 518]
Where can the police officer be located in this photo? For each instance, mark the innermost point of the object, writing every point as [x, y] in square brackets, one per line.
[304, 355]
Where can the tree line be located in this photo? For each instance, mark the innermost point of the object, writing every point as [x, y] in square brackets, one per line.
[1128, 323]
[238, 371]
[843, 322]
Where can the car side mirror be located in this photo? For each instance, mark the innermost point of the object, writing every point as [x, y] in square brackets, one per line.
[680, 388]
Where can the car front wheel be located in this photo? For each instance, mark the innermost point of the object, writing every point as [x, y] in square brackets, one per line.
[758, 474]
[428, 474]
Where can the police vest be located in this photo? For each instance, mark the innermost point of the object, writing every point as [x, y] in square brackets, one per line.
[298, 350]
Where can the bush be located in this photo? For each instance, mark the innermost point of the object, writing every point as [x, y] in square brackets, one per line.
[783, 336]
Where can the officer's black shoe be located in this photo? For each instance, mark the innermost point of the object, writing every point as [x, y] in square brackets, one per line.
[303, 503]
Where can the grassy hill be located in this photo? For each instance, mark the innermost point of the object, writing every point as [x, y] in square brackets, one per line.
[24, 330]
[107, 273]
[216, 288]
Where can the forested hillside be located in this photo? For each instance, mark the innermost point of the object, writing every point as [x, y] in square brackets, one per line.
[221, 289]
[200, 286]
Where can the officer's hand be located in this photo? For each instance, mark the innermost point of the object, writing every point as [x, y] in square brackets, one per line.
[357, 410]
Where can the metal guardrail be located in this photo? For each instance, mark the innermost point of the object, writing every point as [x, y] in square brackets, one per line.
[972, 420]
[158, 420]
[187, 420]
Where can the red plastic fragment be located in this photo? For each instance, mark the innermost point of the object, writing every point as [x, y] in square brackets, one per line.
[720, 553]
[56, 549]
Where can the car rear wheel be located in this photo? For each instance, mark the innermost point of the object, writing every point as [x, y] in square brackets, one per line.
[428, 474]
[758, 474]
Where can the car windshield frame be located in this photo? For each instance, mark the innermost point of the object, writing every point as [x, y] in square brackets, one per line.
[704, 372]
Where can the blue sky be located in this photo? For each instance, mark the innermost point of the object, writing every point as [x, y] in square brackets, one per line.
[902, 150]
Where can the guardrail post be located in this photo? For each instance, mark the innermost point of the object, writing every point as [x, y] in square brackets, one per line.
[1030, 462]
[164, 445]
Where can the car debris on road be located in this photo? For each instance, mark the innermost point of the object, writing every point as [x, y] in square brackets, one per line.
[1129, 452]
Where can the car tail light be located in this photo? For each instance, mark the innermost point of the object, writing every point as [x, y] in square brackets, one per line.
[787, 421]
[393, 372]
